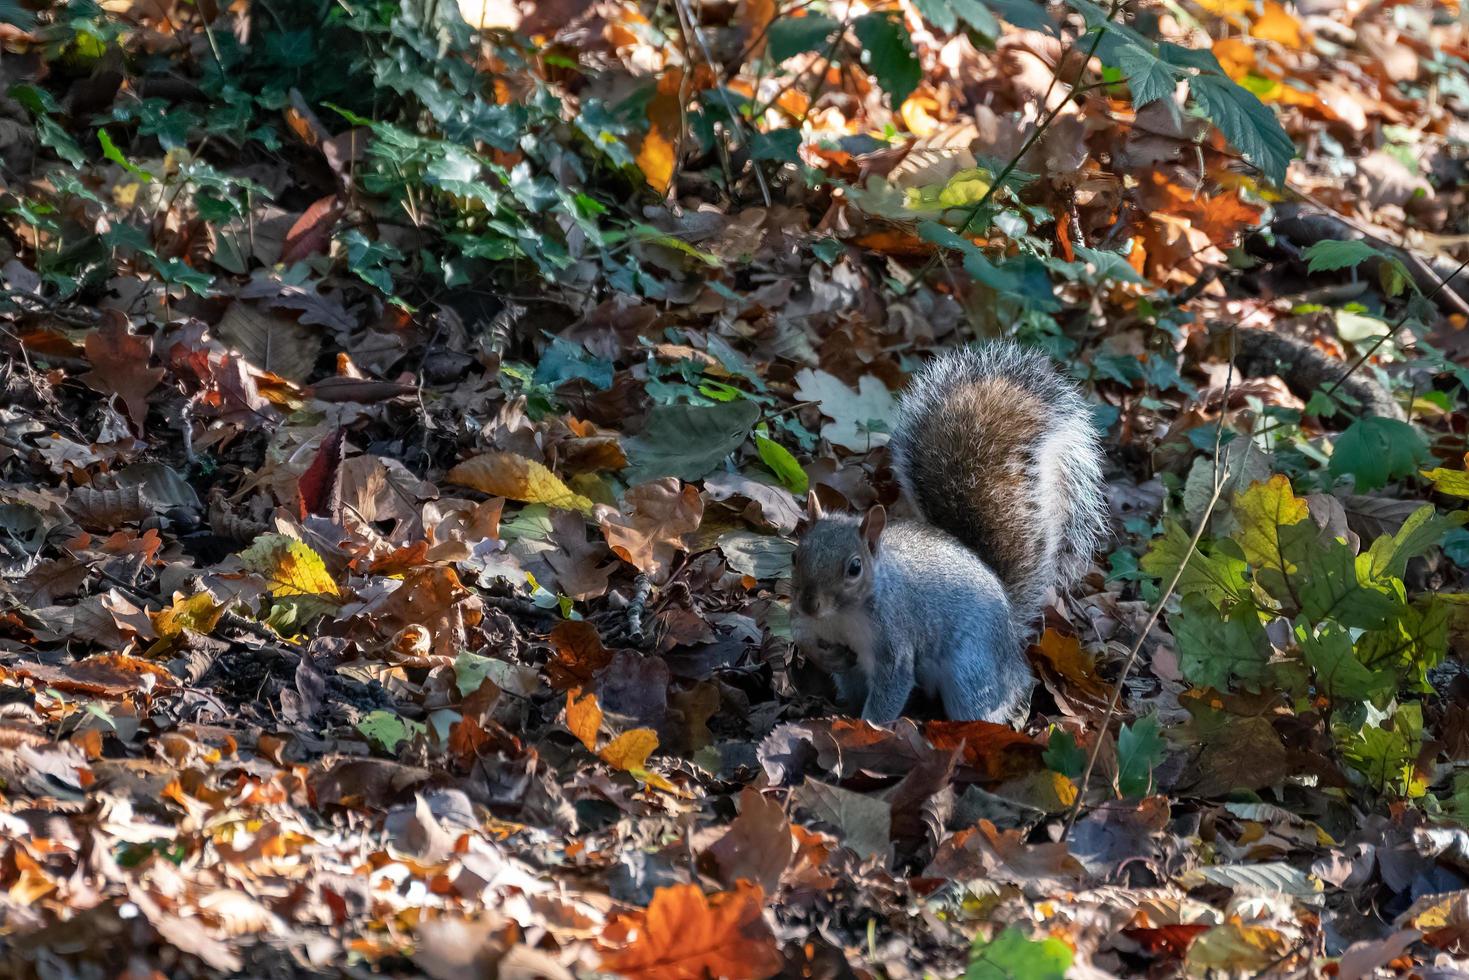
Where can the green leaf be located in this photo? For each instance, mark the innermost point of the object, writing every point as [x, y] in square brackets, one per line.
[111, 152]
[780, 461]
[688, 441]
[1011, 955]
[1149, 77]
[1339, 674]
[1412, 644]
[1246, 122]
[781, 145]
[1389, 555]
[1215, 576]
[1328, 256]
[1375, 450]
[1063, 755]
[1324, 574]
[887, 53]
[1109, 265]
[1139, 751]
[1386, 756]
[790, 36]
[387, 729]
[760, 556]
[368, 259]
[1214, 650]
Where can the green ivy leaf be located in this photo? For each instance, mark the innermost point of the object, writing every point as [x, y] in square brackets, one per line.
[790, 36]
[887, 53]
[1246, 122]
[111, 152]
[1375, 450]
[1139, 751]
[1010, 955]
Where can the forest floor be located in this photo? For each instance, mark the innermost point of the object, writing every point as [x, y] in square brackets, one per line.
[405, 429]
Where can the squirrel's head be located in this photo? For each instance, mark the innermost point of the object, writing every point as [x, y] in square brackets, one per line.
[835, 560]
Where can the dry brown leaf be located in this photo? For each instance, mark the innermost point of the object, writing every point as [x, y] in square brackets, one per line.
[119, 360]
[656, 517]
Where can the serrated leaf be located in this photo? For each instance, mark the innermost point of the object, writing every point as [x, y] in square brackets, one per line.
[1326, 579]
[1246, 122]
[1386, 756]
[887, 53]
[289, 566]
[1375, 449]
[517, 478]
[1412, 644]
[1149, 77]
[1389, 555]
[1328, 256]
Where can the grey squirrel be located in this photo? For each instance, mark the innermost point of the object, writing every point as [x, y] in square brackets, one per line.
[997, 453]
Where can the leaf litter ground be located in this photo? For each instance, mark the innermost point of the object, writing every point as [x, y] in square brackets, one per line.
[397, 520]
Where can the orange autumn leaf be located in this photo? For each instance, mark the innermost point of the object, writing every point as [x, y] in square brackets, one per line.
[656, 155]
[583, 717]
[686, 934]
[1276, 24]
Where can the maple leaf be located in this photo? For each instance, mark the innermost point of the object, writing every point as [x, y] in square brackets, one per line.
[687, 934]
[119, 361]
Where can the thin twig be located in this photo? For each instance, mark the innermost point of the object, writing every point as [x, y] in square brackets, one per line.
[1221, 477]
[734, 117]
[1035, 135]
[1392, 331]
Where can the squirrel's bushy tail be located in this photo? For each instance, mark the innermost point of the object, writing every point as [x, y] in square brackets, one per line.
[997, 448]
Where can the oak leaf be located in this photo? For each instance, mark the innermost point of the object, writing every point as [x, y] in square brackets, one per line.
[657, 516]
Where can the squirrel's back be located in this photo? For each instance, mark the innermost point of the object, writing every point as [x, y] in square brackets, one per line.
[997, 448]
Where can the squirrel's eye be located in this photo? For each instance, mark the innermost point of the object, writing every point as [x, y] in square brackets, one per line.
[854, 567]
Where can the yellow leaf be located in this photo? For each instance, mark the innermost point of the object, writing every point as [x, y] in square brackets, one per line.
[290, 566]
[1262, 510]
[583, 717]
[1275, 24]
[630, 750]
[198, 613]
[518, 478]
[1226, 8]
[1454, 483]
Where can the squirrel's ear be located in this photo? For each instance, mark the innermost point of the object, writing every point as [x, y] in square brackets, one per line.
[872, 524]
[814, 512]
